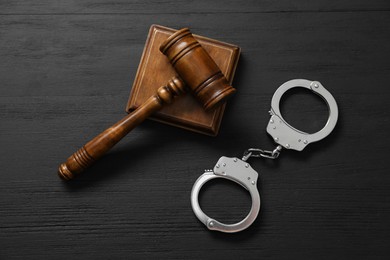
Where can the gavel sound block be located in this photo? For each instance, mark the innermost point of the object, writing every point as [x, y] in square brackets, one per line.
[155, 70]
[195, 68]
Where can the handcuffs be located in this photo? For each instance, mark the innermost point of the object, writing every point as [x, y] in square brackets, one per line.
[241, 172]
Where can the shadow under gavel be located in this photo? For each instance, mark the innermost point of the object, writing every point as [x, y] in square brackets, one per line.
[196, 70]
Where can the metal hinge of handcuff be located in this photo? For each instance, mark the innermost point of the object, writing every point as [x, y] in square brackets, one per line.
[242, 173]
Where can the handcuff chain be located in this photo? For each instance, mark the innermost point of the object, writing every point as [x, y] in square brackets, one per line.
[256, 152]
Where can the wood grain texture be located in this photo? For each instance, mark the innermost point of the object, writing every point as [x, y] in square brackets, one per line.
[155, 69]
[97, 147]
[74, 61]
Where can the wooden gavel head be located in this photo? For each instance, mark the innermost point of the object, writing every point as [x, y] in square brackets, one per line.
[198, 70]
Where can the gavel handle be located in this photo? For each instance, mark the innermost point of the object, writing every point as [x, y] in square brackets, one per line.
[101, 144]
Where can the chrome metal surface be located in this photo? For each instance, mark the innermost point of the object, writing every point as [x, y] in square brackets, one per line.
[242, 173]
[290, 137]
[257, 152]
[235, 170]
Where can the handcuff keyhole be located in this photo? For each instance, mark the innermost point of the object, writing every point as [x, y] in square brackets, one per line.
[304, 110]
[225, 201]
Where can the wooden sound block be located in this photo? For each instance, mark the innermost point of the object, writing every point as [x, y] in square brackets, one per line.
[155, 70]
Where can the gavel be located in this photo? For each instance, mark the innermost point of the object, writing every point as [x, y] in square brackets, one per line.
[197, 72]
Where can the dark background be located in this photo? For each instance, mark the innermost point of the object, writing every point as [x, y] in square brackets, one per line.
[66, 70]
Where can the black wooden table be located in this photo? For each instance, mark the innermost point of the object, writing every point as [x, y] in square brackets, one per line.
[66, 69]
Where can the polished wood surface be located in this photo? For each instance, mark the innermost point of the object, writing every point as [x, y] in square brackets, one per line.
[66, 70]
[101, 144]
[200, 74]
[186, 112]
[197, 68]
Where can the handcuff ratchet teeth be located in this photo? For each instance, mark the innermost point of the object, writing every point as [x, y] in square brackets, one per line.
[241, 172]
